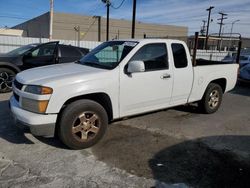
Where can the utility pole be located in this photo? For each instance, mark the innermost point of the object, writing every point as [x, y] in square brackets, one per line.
[221, 21]
[231, 32]
[107, 2]
[107, 32]
[133, 19]
[51, 19]
[77, 29]
[99, 27]
[221, 24]
[203, 32]
[203, 27]
[208, 22]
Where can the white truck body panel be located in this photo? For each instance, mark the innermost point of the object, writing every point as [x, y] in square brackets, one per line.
[181, 91]
[203, 75]
[144, 91]
[75, 80]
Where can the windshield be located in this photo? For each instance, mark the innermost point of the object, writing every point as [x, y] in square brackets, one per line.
[108, 55]
[21, 50]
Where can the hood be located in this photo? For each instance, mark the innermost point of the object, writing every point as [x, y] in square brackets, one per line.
[5, 58]
[52, 73]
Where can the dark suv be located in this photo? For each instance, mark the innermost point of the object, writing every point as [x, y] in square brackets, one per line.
[35, 55]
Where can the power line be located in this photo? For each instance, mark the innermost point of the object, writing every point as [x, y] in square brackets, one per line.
[14, 17]
[117, 6]
[26, 6]
[238, 23]
[90, 27]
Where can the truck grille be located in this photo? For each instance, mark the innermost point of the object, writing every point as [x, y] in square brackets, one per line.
[18, 85]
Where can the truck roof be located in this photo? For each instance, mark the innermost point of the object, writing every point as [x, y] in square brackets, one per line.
[150, 40]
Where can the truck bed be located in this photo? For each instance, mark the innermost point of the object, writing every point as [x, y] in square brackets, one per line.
[200, 62]
[204, 74]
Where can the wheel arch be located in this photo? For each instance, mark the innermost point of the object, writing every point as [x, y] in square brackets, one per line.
[222, 82]
[101, 98]
[10, 66]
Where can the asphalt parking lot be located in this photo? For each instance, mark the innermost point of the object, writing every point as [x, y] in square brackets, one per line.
[177, 147]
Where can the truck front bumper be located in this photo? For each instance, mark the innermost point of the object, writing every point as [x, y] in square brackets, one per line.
[39, 124]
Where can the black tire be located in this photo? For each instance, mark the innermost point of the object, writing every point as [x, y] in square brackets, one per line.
[6, 78]
[212, 99]
[82, 124]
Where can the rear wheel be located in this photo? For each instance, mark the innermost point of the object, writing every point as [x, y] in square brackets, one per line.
[212, 99]
[83, 123]
[6, 78]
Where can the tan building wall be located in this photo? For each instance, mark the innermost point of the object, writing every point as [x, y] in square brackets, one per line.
[37, 27]
[63, 28]
[64, 23]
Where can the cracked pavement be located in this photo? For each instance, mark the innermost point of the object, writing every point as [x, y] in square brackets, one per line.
[171, 148]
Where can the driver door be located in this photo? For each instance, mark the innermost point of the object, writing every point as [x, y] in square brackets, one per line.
[150, 90]
[45, 54]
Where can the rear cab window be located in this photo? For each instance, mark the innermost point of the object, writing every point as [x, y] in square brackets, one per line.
[179, 55]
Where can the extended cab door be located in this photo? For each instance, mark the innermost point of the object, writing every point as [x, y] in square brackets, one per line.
[183, 73]
[149, 90]
[44, 54]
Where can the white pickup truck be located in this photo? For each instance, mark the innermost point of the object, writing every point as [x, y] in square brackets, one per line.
[117, 79]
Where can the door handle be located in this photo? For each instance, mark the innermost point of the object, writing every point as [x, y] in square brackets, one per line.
[165, 76]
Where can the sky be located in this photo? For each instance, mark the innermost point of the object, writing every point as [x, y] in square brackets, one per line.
[189, 13]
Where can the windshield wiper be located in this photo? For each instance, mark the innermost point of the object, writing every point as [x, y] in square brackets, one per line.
[78, 62]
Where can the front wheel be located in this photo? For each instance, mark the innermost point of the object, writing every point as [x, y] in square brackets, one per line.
[82, 124]
[212, 99]
[6, 78]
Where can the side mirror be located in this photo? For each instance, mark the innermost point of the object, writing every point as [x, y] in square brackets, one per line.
[26, 56]
[29, 54]
[136, 66]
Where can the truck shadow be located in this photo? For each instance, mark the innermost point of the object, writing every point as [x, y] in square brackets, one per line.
[55, 142]
[241, 89]
[197, 165]
[204, 162]
[191, 108]
[8, 130]
[13, 134]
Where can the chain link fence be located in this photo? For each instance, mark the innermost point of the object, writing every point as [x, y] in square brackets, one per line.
[8, 43]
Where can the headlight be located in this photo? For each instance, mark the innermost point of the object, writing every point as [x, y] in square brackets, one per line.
[34, 105]
[38, 90]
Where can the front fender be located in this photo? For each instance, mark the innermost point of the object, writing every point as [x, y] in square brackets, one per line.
[10, 66]
[65, 93]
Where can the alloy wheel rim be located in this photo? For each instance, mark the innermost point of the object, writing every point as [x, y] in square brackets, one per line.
[6, 80]
[86, 126]
[213, 99]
